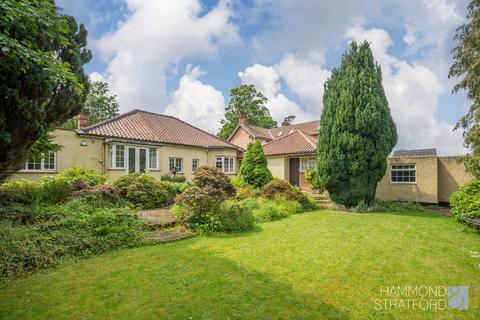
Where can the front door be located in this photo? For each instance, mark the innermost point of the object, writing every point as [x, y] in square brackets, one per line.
[295, 171]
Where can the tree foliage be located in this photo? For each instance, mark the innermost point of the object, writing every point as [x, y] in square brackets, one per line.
[254, 169]
[100, 105]
[288, 120]
[466, 66]
[247, 100]
[357, 131]
[42, 82]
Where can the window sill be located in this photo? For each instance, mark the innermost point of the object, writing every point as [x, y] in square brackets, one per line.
[408, 183]
[37, 171]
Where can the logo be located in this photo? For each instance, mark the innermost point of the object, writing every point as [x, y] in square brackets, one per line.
[458, 297]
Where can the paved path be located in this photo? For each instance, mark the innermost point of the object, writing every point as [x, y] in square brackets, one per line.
[160, 217]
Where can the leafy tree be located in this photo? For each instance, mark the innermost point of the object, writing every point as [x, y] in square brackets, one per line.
[357, 131]
[254, 169]
[42, 82]
[466, 66]
[288, 120]
[100, 105]
[247, 100]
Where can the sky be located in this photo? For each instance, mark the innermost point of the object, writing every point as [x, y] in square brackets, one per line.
[182, 57]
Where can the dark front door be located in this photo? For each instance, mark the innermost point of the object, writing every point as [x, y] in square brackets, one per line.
[294, 171]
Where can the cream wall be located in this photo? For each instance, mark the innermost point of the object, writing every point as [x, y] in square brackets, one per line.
[425, 190]
[72, 154]
[451, 176]
[278, 167]
[92, 154]
[241, 138]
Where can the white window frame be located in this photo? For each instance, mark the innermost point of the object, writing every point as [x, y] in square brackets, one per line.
[42, 164]
[231, 168]
[305, 164]
[113, 157]
[149, 151]
[198, 164]
[404, 169]
[175, 159]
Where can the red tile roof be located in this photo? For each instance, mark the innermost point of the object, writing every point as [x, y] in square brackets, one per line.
[295, 142]
[310, 128]
[153, 127]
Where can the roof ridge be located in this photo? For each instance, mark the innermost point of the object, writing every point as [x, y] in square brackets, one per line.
[282, 137]
[93, 126]
[306, 138]
[191, 125]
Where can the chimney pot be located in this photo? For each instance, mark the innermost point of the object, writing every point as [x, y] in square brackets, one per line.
[83, 119]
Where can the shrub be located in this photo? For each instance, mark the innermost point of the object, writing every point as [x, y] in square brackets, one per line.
[144, 190]
[254, 169]
[195, 202]
[235, 216]
[54, 190]
[246, 192]
[238, 182]
[382, 206]
[28, 248]
[88, 175]
[171, 178]
[265, 210]
[180, 187]
[466, 201]
[213, 178]
[21, 191]
[278, 188]
[313, 180]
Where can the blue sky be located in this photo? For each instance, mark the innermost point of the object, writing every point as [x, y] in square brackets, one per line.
[182, 57]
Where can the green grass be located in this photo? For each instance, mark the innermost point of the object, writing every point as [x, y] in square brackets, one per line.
[319, 265]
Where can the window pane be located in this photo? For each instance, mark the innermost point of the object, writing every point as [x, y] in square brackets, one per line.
[131, 159]
[110, 152]
[194, 165]
[34, 163]
[152, 158]
[120, 157]
[232, 164]
[226, 165]
[179, 165]
[49, 162]
[142, 165]
[219, 163]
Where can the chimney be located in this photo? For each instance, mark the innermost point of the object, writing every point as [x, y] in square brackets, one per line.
[243, 118]
[83, 118]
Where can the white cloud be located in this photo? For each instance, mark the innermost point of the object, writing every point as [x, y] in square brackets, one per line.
[267, 80]
[95, 76]
[155, 35]
[413, 91]
[305, 76]
[197, 103]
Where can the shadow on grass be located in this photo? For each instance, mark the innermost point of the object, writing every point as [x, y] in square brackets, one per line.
[163, 284]
[423, 214]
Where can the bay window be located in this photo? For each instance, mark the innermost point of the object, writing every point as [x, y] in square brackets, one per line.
[132, 158]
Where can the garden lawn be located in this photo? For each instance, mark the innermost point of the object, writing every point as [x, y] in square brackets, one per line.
[318, 265]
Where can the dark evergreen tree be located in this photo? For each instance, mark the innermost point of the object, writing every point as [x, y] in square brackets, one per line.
[254, 169]
[42, 82]
[250, 102]
[288, 120]
[357, 131]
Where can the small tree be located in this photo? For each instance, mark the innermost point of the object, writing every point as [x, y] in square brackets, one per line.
[288, 120]
[357, 131]
[101, 105]
[254, 169]
[252, 103]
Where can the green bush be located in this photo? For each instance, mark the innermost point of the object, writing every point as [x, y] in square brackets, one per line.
[21, 191]
[213, 178]
[313, 180]
[265, 210]
[54, 190]
[170, 178]
[466, 201]
[235, 216]
[76, 174]
[254, 169]
[238, 182]
[276, 188]
[382, 206]
[144, 190]
[180, 187]
[28, 248]
[192, 205]
[246, 192]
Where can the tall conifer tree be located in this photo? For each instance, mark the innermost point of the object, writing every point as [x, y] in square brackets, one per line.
[357, 131]
[254, 170]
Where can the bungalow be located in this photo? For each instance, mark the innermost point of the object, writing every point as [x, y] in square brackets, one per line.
[412, 175]
[133, 142]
